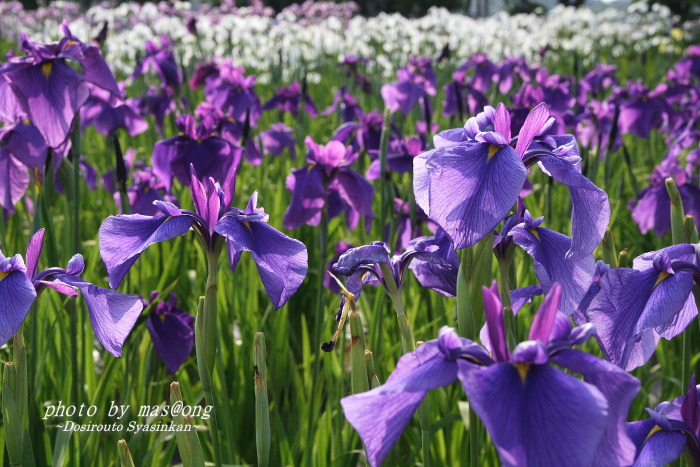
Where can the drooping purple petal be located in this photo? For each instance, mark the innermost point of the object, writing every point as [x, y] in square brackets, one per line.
[619, 388]
[112, 314]
[590, 207]
[468, 189]
[123, 238]
[308, 197]
[548, 251]
[282, 261]
[172, 331]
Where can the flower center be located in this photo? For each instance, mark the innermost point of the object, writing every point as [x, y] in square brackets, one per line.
[4, 274]
[493, 149]
[522, 368]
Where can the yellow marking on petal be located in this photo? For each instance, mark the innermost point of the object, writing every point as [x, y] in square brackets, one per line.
[663, 275]
[162, 318]
[37, 180]
[311, 166]
[652, 431]
[247, 224]
[26, 121]
[493, 149]
[46, 68]
[535, 233]
[3, 274]
[522, 368]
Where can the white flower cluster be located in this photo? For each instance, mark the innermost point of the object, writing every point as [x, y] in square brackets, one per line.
[262, 42]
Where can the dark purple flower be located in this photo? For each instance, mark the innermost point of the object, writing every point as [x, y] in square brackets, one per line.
[233, 93]
[673, 428]
[48, 90]
[636, 306]
[289, 98]
[107, 113]
[433, 260]
[399, 157]
[277, 138]
[489, 174]
[652, 211]
[535, 413]
[281, 261]
[112, 314]
[642, 110]
[211, 155]
[162, 61]
[157, 102]
[172, 331]
[326, 180]
[416, 82]
[349, 106]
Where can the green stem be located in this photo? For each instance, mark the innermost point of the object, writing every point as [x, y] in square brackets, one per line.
[504, 291]
[206, 342]
[473, 438]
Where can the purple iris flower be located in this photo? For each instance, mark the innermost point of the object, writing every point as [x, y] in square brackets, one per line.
[326, 180]
[158, 102]
[642, 110]
[508, 69]
[489, 174]
[433, 261]
[48, 90]
[416, 81]
[484, 71]
[548, 251]
[350, 65]
[172, 331]
[461, 97]
[535, 413]
[636, 306]
[349, 106]
[596, 127]
[673, 428]
[21, 148]
[231, 91]
[366, 133]
[596, 81]
[112, 314]
[399, 157]
[161, 60]
[652, 211]
[328, 282]
[211, 155]
[107, 113]
[281, 261]
[277, 138]
[289, 98]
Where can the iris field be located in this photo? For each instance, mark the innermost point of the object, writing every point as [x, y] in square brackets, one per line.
[176, 186]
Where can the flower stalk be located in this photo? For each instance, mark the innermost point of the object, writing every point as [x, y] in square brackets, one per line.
[262, 405]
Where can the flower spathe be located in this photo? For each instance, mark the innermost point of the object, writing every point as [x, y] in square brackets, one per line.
[536, 414]
[112, 314]
[282, 261]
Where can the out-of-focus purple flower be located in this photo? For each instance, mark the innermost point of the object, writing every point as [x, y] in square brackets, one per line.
[433, 260]
[641, 110]
[107, 113]
[596, 81]
[672, 429]
[636, 306]
[399, 157]
[281, 261]
[161, 60]
[490, 174]
[508, 69]
[21, 148]
[416, 81]
[484, 71]
[48, 90]
[202, 71]
[535, 413]
[406, 229]
[112, 314]
[327, 181]
[596, 127]
[157, 102]
[172, 331]
[461, 98]
[350, 65]
[652, 211]
[289, 98]
[365, 134]
[277, 138]
[232, 92]
[349, 106]
[211, 155]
